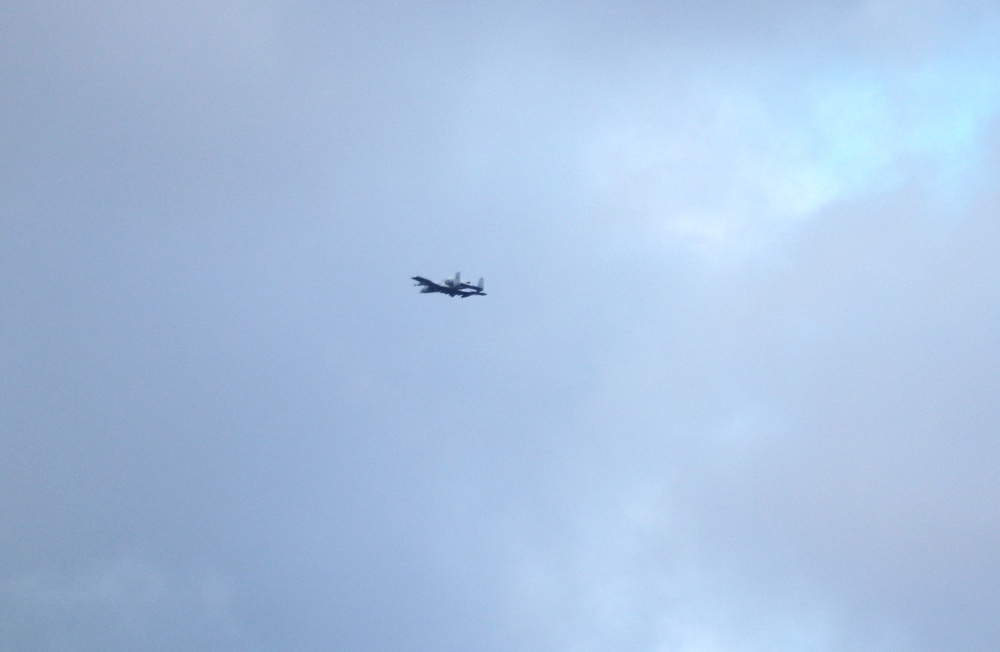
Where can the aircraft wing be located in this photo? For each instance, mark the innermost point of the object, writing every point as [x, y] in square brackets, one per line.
[461, 290]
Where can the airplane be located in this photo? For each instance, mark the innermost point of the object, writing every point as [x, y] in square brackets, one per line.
[453, 287]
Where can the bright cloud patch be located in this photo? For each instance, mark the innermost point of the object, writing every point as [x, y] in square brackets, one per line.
[758, 154]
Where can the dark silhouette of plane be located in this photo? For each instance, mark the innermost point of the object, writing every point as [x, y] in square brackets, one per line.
[453, 287]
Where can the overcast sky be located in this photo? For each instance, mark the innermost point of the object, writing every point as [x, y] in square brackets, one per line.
[734, 387]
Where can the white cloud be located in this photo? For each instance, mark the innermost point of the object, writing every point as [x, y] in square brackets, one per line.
[726, 166]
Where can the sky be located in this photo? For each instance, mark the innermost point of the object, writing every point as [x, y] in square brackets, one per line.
[733, 387]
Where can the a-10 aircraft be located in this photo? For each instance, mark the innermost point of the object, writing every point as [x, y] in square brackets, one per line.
[453, 287]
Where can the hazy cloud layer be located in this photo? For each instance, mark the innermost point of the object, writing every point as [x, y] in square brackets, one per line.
[733, 387]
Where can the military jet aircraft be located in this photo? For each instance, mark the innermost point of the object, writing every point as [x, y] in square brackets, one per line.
[453, 287]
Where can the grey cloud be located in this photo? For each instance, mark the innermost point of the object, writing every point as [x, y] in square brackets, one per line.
[229, 421]
[125, 603]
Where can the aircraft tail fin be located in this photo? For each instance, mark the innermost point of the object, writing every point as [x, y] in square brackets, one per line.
[480, 285]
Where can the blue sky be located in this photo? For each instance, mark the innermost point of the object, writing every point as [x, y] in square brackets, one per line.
[733, 387]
